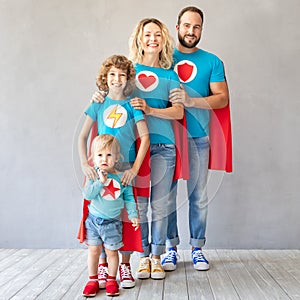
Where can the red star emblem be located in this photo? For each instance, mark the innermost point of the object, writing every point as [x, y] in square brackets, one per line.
[110, 189]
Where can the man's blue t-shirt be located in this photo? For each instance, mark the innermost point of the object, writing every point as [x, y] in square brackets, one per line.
[154, 85]
[118, 118]
[196, 71]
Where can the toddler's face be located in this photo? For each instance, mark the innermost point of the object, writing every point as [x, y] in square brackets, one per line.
[105, 159]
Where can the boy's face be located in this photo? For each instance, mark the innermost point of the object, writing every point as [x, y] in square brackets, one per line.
[105, 159]
[116, 79]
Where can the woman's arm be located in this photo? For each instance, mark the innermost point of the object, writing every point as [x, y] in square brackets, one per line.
[175, 112]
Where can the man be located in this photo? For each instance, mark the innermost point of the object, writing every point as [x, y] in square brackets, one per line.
[204, 89]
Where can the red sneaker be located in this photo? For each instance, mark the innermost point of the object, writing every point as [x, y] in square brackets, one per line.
[126, 279]
[102, 275]
[91, 289]
[112, 287]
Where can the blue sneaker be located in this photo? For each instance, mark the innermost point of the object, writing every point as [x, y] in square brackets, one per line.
[199, 260]
[170, 260]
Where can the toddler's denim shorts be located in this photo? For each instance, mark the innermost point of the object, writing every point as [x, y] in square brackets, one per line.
[101, 231]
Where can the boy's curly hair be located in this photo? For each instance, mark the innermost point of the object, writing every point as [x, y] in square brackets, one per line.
[119, 62]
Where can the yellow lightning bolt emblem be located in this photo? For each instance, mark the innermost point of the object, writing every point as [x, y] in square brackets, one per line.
[114, 115]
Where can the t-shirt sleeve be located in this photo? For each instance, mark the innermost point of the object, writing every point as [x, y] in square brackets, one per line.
[175, 82]
[217, 74]
[91, 111]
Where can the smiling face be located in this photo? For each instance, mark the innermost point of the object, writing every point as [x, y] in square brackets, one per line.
[116, 79]
[152, 39]
[189, 29]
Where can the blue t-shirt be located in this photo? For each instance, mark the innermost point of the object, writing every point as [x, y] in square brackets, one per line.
[154, 85]
[107, 200]
[118, 118]
[196, 71]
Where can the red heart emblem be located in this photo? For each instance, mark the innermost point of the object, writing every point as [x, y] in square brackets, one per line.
[145, 80]
[184, 71]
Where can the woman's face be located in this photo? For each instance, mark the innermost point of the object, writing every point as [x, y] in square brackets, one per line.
[152, 39]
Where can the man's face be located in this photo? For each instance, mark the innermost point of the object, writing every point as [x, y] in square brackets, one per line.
[189, 30]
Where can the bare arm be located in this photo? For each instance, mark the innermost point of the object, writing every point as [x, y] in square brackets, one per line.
[218, 99]
[175, 112]
[87, 170]
[142, 129]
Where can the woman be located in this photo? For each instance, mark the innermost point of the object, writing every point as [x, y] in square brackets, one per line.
[151, 50]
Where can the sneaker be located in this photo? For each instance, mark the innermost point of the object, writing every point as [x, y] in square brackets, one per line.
[91, 289]
[112, 288]
[170, 260]
[157, 271]
[143, 271]
[126, 278]
[102, 275]
[199, 260]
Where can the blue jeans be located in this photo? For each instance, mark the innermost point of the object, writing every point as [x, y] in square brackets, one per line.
[162, 162]
[197, 196]
[101, 231]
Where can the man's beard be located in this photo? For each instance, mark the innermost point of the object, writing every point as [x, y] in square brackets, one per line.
[185, 44]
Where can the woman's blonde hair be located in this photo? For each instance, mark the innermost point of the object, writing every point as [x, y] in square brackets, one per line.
[136, 51]
[105, 141]
[119, 62]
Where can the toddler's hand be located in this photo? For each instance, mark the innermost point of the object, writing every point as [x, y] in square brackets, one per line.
[135, 223]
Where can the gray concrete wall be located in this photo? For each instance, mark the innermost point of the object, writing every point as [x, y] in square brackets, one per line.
[49, 56]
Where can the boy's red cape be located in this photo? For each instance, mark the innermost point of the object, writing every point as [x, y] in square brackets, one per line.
[220, 159]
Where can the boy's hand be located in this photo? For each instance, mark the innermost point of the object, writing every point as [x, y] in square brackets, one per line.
[135, 223]
[89, 172]
[128, 176]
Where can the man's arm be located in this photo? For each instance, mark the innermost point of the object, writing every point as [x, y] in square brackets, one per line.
[218, 99]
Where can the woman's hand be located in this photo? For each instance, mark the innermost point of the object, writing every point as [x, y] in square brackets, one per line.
[98, 97]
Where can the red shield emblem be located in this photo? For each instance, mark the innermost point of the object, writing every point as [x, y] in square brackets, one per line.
[184, 71]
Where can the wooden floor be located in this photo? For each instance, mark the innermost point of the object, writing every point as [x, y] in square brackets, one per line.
[234, 274]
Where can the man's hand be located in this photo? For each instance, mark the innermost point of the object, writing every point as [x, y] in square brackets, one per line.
[179, 95]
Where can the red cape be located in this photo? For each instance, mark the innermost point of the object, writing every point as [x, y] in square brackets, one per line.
[220, 140]
[132, 239]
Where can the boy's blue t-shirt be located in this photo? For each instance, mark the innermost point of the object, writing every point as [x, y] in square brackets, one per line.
[196, 71]
[118, 118]
[154, 85]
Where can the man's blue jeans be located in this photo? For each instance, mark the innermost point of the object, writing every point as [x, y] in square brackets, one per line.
[197, 196]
